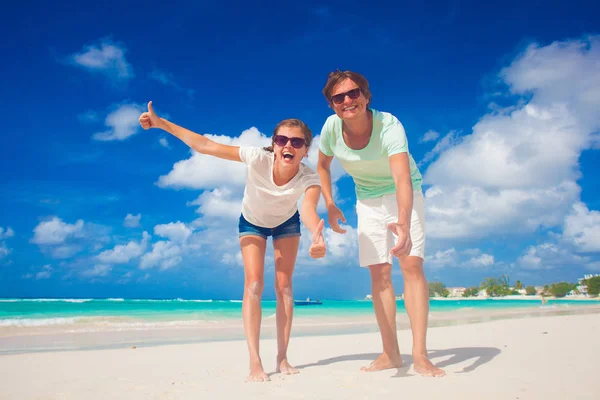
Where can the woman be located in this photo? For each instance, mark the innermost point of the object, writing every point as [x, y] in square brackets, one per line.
[373, 149]
[276, 180]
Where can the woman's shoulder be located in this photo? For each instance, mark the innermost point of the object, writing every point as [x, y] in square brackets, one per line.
[251, 154]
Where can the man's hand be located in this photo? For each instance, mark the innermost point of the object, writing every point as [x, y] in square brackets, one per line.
[404, 244]
[334, 214]
[317, 248]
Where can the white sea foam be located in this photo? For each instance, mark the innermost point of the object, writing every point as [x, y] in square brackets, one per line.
[45, 300]
[25, 322]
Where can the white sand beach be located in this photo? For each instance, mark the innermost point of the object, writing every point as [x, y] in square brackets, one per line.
[548, 357]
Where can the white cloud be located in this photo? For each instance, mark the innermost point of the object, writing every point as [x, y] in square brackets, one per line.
[55, 231]
[219, 203]
[123, 122]
[164, 143]
[45, 273]
[96, 271]
[582, 228]
[518, 170]
[550, 256]
[106, 57]
[122, 254]
[443, 144]
[483, 260]
[201, 171]
[469, 258]
[174, 231]
[469, 212]
[6, 233]
[164, 255]
[64, 251]
[441, 259]
[430, 136]
[4, 250]
[132, 221]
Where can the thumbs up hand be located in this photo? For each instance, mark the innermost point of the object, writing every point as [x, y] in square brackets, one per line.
[317, 248]
[149, 119]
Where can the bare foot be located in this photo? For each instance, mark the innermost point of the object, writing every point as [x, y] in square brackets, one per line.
[424, 367]
[285, 368]
[383, 362]
[257, 373]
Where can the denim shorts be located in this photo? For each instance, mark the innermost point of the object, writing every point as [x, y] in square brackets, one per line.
[289, 228]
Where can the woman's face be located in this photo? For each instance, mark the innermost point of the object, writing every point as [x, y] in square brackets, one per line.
[289, 145]
[349, 108]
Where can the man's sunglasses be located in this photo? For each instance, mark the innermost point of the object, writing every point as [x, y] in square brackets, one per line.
[281, 140]
[340, 97]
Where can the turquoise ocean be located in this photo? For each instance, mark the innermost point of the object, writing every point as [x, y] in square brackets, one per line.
[158, 312]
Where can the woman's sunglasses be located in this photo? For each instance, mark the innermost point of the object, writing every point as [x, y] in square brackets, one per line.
[340, 97]
[281, 140]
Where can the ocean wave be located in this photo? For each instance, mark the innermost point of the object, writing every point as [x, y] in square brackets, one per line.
[45, 300]
[25, 322]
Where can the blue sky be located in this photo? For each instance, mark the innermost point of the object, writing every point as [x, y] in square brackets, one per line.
[499, 103]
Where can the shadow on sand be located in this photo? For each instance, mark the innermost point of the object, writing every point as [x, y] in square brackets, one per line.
[479, 355]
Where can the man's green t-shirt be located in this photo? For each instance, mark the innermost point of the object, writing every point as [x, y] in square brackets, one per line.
[370, 166]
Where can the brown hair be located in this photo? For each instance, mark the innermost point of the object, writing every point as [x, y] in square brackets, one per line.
[336, 77]
[292, 123]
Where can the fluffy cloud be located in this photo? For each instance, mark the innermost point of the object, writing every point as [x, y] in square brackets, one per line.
[174, 231]
[582, 228]
[45, 273]
[105, 57]
[517, 170]
[443, 144]
[122, 254]
[220, 203]
[132, 221]
[96, 271]
[430, 136]
[164, 143]
[63, 240]
[164, 255]
[469, 258]
[550, 256]
[5, 234]
[55, 231]
[122, 122]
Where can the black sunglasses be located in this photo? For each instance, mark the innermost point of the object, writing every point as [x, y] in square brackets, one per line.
[281, 140]
[340, 97]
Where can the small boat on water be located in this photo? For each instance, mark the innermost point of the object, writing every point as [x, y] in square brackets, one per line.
[308, 302]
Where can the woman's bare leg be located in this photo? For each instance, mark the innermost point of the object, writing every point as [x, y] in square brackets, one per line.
[286, 250]
[253, 254]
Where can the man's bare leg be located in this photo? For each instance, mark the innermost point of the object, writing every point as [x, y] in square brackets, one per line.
[416, 300]
[384, 303]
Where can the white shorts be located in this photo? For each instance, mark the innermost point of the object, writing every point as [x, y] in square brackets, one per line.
[375, 240]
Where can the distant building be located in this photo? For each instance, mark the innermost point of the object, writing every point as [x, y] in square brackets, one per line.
[582, 287]
[456, 291]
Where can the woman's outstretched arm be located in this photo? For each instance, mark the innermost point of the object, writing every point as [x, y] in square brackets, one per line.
[201, 144]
